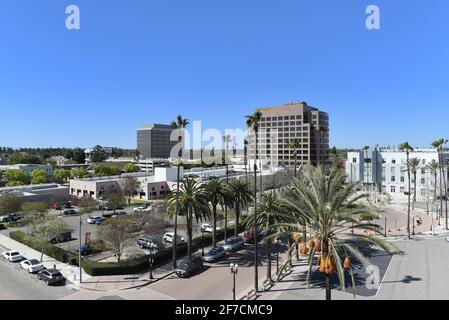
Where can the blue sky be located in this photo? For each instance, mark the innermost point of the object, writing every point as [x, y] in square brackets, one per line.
[143, 61]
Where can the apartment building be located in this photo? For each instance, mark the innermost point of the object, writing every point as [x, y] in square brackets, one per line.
[282, 124]
[386, 170]
[154, 141]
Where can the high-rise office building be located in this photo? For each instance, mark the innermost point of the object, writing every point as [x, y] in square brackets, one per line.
[280, 125]
[154, 141]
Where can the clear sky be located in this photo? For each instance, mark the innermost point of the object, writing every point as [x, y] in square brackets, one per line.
[143, 61]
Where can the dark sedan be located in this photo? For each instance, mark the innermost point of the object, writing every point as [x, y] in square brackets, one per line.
[189, 267]
[51, 277]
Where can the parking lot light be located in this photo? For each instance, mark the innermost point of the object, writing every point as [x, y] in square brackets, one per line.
[234, 271]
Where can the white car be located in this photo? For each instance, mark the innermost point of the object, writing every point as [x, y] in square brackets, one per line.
[12, 256]
[206, 227]
[96, 220]
[32, 266]
[169, 237]
[144, 209]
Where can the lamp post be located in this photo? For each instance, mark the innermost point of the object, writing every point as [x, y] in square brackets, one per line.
[413, 231]
[234, 271]
[150, 253]
[385, 227]
[202, 242]
[278, 248]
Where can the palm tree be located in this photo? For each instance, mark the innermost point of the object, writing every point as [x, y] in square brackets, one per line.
[190, 201]
[271, 212]
[408, 148]
[241, 196]
[215, 190]
[294, 145]
[433, 167]
[328, 204]
[414, 164]
[180, 124]
[253, 122]
[439, 144]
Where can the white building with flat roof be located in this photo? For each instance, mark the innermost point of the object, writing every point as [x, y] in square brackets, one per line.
[386, 170]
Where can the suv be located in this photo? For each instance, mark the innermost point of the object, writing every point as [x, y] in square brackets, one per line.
[234, 244]
[190, 266]
[169, 237]
[147, 242]
[51, 276]
[70, 212]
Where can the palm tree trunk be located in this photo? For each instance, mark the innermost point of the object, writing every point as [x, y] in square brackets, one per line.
[414, 190]
[435, 189]
[296, 163]
[409, 195]
[327, 280]
[189, 235]
[445, 193]
[269, 260]
[441, 183]
[256, 271]
[289, 252]
[177, 213]
[214, 234]
[237, 219]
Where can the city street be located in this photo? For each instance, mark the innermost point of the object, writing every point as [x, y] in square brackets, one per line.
[18, 284]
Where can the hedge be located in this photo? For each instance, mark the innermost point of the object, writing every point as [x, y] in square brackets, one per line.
[2, 226]
[132, 266]
[50, 249]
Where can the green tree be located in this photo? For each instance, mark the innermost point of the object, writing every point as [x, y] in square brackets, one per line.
[105, 170]
[39, 177]
[98, 154]
[271, 212]
[215, 192]
[9, 204]
[79, 173]
[29, 208]
[62, 174]
[294, 145]
[193, 204]
[179, 124]
[17, 178]
[87, 204]
[328, 204]
[408, 148]
[132, 167]
[79, 156]
[116, 201]
[414, 164]
[241, 195]
[24, 158]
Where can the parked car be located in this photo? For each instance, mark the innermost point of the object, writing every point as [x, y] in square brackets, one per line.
[32, 266]
[61, 237]
[189, 267]
[104, 207]
[70, 212]
[234, 244]
[215, 254]
[169, 237]
[206, 227]
[119, 213]
[10, 218]
[51, 276]
[12, 256]
[147, 242]
[96, 220]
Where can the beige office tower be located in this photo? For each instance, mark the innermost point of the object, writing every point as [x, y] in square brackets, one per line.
[280, 125]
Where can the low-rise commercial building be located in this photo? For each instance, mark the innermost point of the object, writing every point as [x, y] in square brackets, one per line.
[44, 192]
[28, 168]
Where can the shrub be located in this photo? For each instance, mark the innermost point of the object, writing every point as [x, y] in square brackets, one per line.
[2, 226]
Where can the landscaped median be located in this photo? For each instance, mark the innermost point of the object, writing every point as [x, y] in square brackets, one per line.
[133, 266]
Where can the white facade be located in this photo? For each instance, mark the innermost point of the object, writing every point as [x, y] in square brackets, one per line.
[386, 170]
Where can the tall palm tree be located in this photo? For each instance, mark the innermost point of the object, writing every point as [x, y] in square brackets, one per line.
[294, 145]
[408, 148]
[241, 196]
[439, 144]
[180, 124]
[328, 204]
[433, 167]
[253, 122]
[191, 202]
[245, 157]
[414, 164]
[270, 213]
[216, 191]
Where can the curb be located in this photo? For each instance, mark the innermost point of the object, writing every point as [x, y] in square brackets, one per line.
[149, 282]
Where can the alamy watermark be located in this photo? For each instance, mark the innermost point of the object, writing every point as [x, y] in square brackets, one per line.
[373, 20]
[73, 20]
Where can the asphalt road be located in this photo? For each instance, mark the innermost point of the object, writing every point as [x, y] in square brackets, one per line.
[17, 284]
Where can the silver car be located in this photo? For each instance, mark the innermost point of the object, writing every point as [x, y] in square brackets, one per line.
[215, 254]
[234, 244]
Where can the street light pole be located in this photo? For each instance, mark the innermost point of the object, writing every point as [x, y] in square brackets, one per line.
[385, 227]
[413, 232]
[234, 271]
[202, 242]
